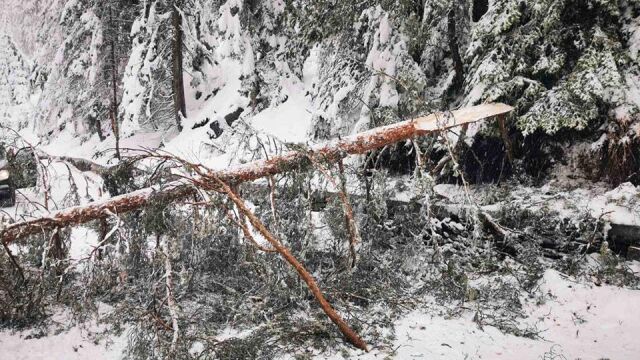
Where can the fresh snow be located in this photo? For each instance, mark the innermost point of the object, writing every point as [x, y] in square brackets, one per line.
[620, 205]
[290, 121]
[575, 320]
[62, 342]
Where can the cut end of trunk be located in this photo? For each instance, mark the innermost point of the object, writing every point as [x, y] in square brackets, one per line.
[445, 120]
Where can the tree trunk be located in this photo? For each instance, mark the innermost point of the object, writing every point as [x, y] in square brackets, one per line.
[327, 152]
[114, 82]
[171, 300]
[458, 80]
[176, 51]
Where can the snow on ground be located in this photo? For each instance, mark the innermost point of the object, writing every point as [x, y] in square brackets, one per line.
[61, 177]
[620, 205]
[61, 344]
[68, 345]
[102, 152]
[577, 321]
[289, 121]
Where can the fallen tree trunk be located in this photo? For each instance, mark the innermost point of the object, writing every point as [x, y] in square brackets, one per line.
[94, 211]
[331, 151]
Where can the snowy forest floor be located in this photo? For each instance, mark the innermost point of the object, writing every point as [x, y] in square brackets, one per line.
[572, 317]
[575, 320]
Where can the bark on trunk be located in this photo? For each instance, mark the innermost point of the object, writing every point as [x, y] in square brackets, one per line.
[99, 210]
[178, 85]
[171, 300]
[114, 83]
[458, 80]
[328, 152]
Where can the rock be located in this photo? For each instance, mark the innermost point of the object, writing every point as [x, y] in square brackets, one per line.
[233, 116]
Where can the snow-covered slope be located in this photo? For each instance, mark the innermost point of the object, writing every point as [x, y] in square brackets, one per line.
[575, 321]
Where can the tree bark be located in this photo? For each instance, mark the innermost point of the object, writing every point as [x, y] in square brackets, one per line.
[505, 138]
[114, 82]
[171, 300]
[327, 152]
[176, 51]
[349, 217]
[458, 80]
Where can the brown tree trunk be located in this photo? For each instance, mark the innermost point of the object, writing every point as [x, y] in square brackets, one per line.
[98, 210]
[505, 138]
[328, 152]
[176, 51]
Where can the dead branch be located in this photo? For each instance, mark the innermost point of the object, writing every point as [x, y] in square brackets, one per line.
[171, 300]
[354, 233]
[346, 330]
[350, 223]
[80, 163]
[245, 230]
[14, 262]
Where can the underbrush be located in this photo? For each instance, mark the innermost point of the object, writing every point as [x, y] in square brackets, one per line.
[236, 301]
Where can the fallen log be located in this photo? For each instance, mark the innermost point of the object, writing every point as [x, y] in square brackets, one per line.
[331, 152]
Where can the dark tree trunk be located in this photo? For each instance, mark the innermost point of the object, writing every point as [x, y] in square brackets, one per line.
[455, 52]
[178, 85]
[114, 82]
